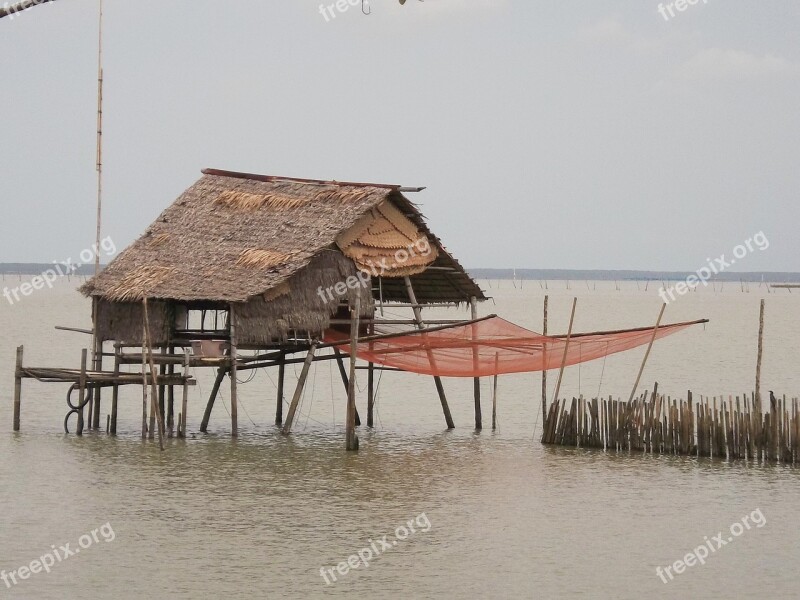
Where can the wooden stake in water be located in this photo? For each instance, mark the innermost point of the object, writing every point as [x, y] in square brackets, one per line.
[760, 351]
[566, 347]
[647, 353]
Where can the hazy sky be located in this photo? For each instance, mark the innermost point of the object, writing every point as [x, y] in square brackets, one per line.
[559, 134]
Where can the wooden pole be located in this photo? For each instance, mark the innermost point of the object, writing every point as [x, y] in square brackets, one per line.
[298, 391]
[494, 391]
[211, 399]
[544, 371]
[279, 402]
[18, 388]
[760, 352]
[352, 439]
[476, 382]
[171, 396]
[185, 403]
[234, 401]
[153, 377]
[436, 379]
[144, 387]
[566, 347]
[345, 379]
[115, 391]
[97, 363]
[647, 353]
[81, 391]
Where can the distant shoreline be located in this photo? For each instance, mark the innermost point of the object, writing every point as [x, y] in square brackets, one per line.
[628, 275]
[523, 274]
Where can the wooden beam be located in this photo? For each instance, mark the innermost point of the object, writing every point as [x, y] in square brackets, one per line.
[298, 391]
[185, 403]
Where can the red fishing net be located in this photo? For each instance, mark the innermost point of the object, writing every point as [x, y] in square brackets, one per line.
[494, 346]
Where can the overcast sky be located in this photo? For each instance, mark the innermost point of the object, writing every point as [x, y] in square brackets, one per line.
[559, 134]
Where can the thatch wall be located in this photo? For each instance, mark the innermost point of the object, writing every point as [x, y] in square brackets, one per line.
[297, 304]
[123, 321]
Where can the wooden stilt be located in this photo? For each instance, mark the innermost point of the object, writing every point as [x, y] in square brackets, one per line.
[234, 400]
[647, 352]
[82, 391]
[279, 402]
[370, 394]
[345, 379]
[185, 402]
[170, 396]
[211, 399]
[494, 391]
[153, 377]
[162, 371]
[298, 391]
[476, 381]
[352, 439]
[436, 379]
[18, 388]
[144, 388]
[115, 391]
[96, 391]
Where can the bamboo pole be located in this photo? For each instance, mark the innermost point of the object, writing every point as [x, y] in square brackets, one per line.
[544, 351]
[115, 392]
[647, 353]
[144, 387]
[494, 391]
[234, 399]
[298, 391]
[476, 382]
[566, 348]
[352, 439]
[760, 352]
[81, 391]
[185, 399]
[153, 377]
[18, 388]
[279, 401]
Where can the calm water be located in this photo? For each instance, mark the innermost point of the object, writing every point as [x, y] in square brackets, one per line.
[503, 516]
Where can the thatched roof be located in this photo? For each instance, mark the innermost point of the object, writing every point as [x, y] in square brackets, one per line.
[233, 236]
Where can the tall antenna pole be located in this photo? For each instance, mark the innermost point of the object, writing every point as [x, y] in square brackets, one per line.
[99, 140]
